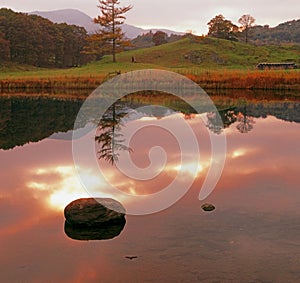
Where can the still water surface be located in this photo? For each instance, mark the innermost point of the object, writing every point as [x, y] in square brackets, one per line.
[252, 236]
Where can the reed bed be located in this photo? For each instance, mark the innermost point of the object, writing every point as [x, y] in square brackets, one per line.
[58, 84]
[208, 80]
[253, 80]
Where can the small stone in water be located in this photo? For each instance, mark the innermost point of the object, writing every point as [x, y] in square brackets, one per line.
[208, 207]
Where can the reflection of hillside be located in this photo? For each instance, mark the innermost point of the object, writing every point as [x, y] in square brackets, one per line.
[244, 112]
[24, 120]
[31, 120]
[287, 111]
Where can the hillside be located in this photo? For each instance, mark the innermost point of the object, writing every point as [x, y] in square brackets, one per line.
[288, 32]
[187, 55]
[211, 53]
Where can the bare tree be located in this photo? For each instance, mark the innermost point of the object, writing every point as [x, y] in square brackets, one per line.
[247, 21]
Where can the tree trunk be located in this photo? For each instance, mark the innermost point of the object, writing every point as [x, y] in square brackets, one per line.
[114, 31]
[114, 51]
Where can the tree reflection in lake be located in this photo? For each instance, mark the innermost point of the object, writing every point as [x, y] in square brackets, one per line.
[214, 123]
[110, 139]
[23, 120]
[245, 122]
[228, 117]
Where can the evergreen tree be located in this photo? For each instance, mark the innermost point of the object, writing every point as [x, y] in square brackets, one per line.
[110, 37]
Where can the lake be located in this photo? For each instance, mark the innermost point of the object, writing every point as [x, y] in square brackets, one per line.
[253, 235]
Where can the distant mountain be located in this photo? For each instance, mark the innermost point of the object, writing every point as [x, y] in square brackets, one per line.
[167, 31]
[69, 16]
[76, 17]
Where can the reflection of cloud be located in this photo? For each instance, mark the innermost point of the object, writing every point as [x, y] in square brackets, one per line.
[193, 169]
[146, 119]
[238, 153]
[66, 187]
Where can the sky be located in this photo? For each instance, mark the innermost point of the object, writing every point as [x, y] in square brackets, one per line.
[187, 15]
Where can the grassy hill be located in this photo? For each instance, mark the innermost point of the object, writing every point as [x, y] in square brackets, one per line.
[183, 55]
[212, 53]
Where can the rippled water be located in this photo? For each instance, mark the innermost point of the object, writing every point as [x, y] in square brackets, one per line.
[252, 236]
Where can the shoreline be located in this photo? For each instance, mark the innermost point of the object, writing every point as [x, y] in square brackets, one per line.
[214, 80]
[225, 95]
[232, 80]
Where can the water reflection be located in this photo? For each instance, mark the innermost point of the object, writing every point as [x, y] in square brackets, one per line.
[245, 122]
[255, 228]
[92, 233]
[24, 120]
[110, 140]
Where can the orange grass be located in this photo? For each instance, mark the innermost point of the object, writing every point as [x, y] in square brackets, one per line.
[219, 79]
[53, 83]
[256, 80]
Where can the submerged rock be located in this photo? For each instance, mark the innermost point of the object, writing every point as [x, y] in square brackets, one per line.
[208, 207]
[90, 233]
[94, 212]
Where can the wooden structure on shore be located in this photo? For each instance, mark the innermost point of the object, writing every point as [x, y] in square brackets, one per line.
[276, 66]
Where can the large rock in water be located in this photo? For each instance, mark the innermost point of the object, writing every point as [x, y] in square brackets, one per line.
[93, 212]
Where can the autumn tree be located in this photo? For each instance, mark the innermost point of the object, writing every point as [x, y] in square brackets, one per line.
[160, 38]
[4, 48]
[110, 37]
[221, 28]
[247, 21]
[33, 40]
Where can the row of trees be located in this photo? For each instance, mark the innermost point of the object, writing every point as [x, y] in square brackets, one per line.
[151, 38]
[33, 40]
[222, 28]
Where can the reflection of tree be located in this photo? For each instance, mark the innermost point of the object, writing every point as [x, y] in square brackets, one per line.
[214, 122]
[228, 117]
[245, 122]
[110, 139]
